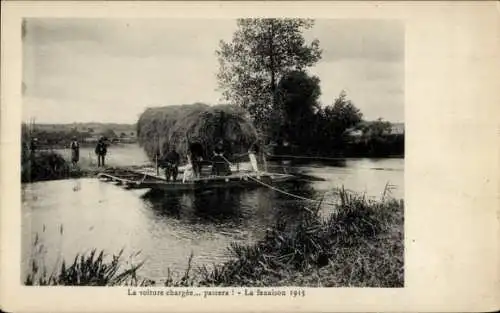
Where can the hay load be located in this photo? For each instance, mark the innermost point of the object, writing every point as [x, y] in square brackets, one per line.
[160, 128]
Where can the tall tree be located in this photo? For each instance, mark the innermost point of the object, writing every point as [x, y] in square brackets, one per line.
[297, 94]
[334, 120]
[261, 52]
[344, 113]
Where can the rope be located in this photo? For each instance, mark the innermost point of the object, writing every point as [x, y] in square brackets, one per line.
[318, 157]
[229, 163]
[306, 157]
[284, 192]
[280, 190]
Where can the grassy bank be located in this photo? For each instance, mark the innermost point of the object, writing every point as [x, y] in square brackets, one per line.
[55, 164]
[49, 165]
[360, 244]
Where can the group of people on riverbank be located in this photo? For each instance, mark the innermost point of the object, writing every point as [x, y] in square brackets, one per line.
[101, 149]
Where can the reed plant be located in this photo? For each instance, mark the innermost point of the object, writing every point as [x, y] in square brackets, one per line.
[87, 269]
[188, 279]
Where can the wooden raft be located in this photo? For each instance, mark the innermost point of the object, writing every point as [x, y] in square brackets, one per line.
[131, 179]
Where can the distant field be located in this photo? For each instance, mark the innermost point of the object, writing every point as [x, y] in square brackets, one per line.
[93, 128]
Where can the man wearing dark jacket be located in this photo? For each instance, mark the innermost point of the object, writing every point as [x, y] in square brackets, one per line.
[101, 149]
[196, 153]
[75, 151]
[220, 165]
[171, 164]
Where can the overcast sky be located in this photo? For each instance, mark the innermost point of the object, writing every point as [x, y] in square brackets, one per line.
[82, 70]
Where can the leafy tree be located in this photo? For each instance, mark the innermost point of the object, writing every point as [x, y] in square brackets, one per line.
[342, 115]
[375, 129]
[333, 121]
[377, 140]
[297, 95]
[261, 52]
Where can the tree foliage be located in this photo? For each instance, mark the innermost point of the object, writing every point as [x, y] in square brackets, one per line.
[375, 129]
[297, 101]
[260, 53]
[343, 114]
[332, 122]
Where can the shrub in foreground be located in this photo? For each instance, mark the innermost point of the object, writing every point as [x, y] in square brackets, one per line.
[43, 166]
[88, 269]
[360, 244]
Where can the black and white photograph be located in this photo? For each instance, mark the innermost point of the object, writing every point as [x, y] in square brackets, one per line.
[244, 152]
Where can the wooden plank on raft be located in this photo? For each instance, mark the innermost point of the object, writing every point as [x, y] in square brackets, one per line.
[117, 179]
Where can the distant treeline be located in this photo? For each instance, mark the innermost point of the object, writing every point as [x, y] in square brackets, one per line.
[387, 146]
[392, 145]
[337, 130]
[92, 127]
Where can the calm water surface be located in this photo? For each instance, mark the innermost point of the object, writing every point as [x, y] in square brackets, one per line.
[72, 216]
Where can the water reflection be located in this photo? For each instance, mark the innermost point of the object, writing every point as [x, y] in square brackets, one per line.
[200, 207]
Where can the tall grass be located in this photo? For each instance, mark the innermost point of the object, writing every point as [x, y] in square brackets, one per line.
[359, 244]
[87, 269]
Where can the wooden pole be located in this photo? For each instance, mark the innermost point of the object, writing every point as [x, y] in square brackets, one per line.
[156, 165]
[156, 157]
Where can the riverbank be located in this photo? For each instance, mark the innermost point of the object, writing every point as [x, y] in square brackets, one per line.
[360, 244]
[55, 164]
[49, 165]
[126, 156]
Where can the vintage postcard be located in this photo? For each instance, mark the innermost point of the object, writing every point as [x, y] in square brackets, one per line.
[249, 156]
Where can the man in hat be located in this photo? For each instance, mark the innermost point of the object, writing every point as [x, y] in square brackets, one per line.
[221, 166]
[75, 151]
[101, 149]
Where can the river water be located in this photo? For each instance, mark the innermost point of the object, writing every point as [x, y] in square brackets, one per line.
[75, 216]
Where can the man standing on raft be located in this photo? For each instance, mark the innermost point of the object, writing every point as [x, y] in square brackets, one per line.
[196, 157]
[171, 164]
[220, 165]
